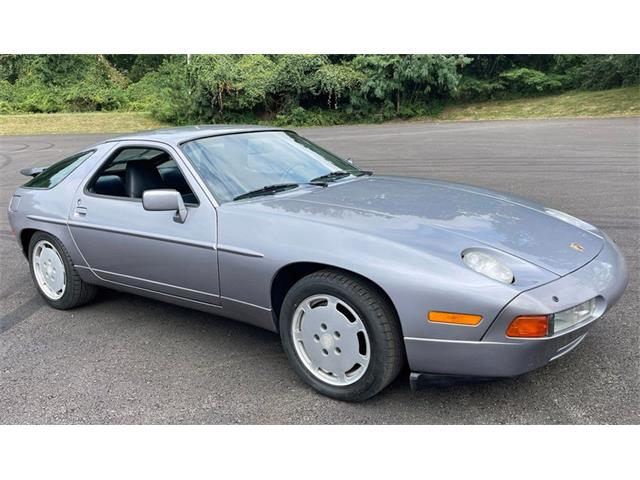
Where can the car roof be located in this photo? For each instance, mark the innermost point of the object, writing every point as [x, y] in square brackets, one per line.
[176, 135]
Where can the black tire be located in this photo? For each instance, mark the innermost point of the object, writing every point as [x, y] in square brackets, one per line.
[77, 292]
[380, 321]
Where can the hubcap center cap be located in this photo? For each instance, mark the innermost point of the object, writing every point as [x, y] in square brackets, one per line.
[326, 341]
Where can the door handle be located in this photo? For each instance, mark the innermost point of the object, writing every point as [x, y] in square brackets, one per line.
[82, 211]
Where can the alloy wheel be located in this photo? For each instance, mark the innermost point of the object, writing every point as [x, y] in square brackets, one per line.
[331, 340]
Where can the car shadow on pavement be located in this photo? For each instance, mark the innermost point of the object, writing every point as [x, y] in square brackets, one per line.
[235, 333]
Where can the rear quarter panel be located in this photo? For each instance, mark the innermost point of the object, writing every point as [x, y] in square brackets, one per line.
[47, 210]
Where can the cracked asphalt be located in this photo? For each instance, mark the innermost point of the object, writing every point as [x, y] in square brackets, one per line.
[127, 359]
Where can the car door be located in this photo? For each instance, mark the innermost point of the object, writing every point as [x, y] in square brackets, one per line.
[128, 245]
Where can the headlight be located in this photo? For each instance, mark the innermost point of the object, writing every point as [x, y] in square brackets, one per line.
[487, 265]
[565, 217]
[571, 316]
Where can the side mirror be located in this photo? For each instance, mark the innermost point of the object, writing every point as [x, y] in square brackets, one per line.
[165, 199]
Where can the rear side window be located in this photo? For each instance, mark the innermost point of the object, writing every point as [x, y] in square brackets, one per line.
[58, 171]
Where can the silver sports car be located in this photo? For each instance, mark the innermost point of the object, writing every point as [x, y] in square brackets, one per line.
[360, 274]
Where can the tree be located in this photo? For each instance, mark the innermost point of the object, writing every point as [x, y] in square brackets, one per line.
[166, 93]
[337, 81]
[294, 79]
[214, 76]
[233, 82]
[389, 78]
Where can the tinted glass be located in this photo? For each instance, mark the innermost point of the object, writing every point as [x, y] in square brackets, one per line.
[161, 171]
[235, 164]
[119, 162]
[58, 171]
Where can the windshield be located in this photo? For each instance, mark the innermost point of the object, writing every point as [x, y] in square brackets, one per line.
[232, 165]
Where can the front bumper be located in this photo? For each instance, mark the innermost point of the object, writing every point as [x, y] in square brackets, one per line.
[496, 355]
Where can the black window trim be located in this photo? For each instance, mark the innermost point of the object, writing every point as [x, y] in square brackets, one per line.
[114, 154]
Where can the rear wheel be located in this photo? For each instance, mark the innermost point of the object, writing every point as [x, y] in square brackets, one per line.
[53, 273]
[341, 335]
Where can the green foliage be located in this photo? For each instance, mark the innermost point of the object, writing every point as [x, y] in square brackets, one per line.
[293, 89]
[391, 80]
[294, 79]
[52, 83]
[165, 93]
[532, 82]
[9, 68]
[337, 81]
[298, 116]
[231, 82]
[255, 77]
[594, 72]
[137, 66]
[6, 97]
[599, 72]
[472, 88]
[489, 67]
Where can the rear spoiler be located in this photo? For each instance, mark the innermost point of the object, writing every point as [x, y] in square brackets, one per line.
[33, 171]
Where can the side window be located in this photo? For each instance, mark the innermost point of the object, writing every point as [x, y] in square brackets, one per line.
[132, 170]
[58, 171]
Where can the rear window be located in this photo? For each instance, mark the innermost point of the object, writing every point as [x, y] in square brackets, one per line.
[58, 171]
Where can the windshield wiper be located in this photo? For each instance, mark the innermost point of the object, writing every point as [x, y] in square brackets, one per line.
[267, 190]
[278, 187]
[330, 177]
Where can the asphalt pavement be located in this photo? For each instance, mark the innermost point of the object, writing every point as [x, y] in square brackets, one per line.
[127, 359]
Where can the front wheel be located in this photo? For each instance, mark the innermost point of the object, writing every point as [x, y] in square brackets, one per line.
[341, 335]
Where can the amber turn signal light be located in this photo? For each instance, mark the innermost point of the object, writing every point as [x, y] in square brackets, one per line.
[450, 317]
[529, 326]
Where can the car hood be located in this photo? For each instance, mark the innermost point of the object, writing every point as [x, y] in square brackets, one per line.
[381, 204]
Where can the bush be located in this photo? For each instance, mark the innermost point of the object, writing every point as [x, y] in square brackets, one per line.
[393, 80]
[474, 89]
[528, 81]
[297, 116]
[294, 80]
[55, 83]
[165, 93]
[293, 89]
[7, 101]
[33, 97]
[599, 72]
[85, 97]
[337, 81]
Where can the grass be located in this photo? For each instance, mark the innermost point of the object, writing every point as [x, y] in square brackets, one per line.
[607, 103]
[94, 122]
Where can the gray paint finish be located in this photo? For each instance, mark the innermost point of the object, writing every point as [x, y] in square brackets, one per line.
[126, 359]
[404, 234]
